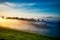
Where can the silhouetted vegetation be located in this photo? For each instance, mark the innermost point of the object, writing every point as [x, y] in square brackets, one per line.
[38, 20]
[25, 19]
[12, 18]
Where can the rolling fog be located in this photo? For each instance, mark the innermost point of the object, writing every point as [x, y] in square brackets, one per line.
[27, 26]
[19, 25]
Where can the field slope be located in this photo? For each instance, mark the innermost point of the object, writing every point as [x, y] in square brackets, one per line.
[8, 34]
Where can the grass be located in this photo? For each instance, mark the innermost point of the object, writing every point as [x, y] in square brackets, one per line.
[8, 34]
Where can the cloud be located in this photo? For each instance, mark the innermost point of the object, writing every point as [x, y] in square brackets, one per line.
[25, 4]
[8, 9]
[10, 4]
[3, 6]
[7, 5]
[30, 4]
[19, 4]
[15, 6]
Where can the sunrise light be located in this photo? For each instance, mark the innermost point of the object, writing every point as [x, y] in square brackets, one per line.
[0, 17]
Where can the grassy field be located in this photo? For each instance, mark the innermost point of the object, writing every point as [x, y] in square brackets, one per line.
[8, 34]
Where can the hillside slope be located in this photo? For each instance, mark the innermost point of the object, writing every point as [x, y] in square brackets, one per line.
[8, 34]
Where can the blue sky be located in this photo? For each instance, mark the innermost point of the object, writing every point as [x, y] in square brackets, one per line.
[30, 8]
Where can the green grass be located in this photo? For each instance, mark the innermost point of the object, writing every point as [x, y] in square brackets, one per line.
[8, 34]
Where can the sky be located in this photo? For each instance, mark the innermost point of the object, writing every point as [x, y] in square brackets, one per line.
[30, 8]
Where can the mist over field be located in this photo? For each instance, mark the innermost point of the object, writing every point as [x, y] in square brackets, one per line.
[49, 27]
